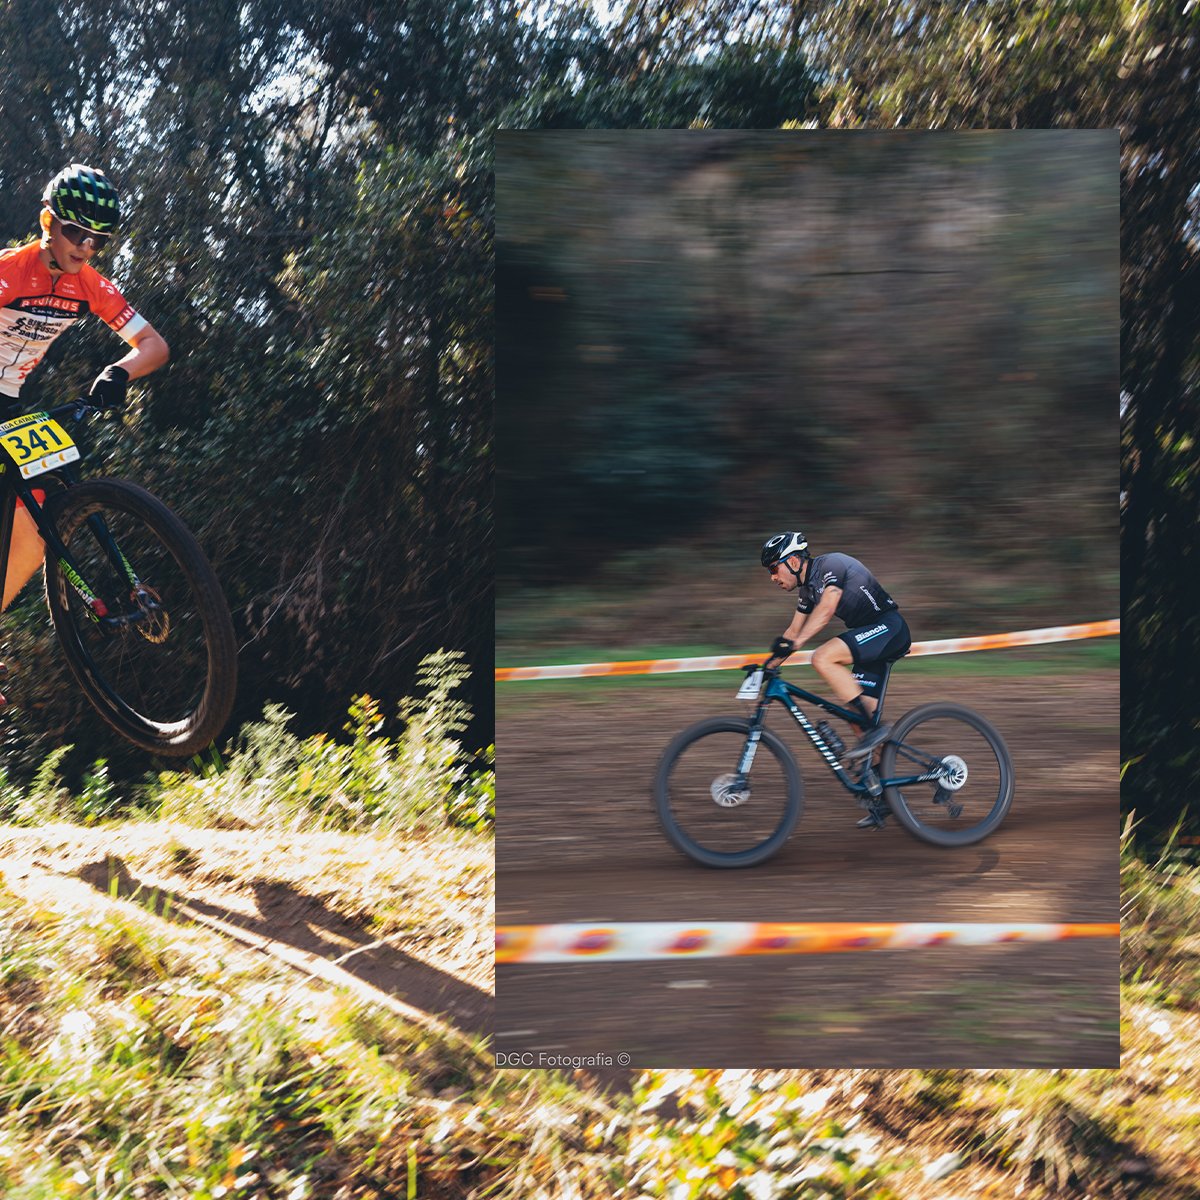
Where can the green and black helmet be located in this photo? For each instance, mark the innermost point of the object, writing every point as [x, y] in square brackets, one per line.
[84, 196]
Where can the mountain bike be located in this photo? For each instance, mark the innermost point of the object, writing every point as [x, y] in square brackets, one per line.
[137, 609]
[728, 792]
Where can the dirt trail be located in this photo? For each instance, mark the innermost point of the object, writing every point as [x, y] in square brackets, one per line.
[405, 926]
[578, 842]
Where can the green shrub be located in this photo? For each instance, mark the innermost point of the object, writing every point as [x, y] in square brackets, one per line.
[422, 777]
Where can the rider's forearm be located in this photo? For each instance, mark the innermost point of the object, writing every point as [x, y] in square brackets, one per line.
[796, 628]
[816, 622]
[148, 355]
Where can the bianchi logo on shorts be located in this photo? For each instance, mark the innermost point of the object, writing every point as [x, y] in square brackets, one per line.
[870, 633]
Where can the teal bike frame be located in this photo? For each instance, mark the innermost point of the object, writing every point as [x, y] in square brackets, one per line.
[868, 782]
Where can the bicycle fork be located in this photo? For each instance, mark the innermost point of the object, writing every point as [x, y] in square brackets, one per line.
[95, 606]
[750, 749]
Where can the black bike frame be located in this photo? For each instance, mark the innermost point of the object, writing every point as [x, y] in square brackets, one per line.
[869, 782]
[15, 486]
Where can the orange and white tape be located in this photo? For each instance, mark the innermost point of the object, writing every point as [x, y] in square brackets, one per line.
[645, 940]
[725, 662]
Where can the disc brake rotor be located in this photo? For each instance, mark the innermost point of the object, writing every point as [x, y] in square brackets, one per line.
[730, 790]
[156, 621]
[955, 773]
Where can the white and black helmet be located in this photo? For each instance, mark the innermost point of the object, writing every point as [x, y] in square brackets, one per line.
[783, 545]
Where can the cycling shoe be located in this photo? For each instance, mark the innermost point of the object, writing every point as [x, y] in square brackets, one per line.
[871, 739]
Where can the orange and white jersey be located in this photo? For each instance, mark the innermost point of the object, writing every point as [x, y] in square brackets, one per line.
[35, 307]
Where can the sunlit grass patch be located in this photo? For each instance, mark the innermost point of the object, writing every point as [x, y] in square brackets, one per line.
[1160, 927]
[164, 1069]
[1047, 1128]
[738, 1134]
[362, 778]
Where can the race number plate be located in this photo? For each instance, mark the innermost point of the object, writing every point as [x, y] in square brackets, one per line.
[37, 443]
[751, 686]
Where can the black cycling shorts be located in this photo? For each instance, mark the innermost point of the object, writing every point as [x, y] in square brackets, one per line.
[881, 641]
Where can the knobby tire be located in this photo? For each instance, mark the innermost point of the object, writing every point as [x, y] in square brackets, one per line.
[674, 829]
[125, 672]
[999, 773]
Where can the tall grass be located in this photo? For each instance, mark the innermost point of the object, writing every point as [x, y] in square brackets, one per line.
[270, 778]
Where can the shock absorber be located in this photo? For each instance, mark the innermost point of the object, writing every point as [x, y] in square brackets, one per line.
[830, 736]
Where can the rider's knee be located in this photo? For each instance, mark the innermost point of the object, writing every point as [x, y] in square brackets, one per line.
[826, 655]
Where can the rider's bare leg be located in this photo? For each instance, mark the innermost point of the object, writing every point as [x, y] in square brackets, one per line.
[24, 555]
[833, 661]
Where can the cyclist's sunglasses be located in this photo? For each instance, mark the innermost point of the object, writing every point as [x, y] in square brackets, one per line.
[77, 234]
[774, 567]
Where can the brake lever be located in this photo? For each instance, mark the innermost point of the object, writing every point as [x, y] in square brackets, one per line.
[84, 409]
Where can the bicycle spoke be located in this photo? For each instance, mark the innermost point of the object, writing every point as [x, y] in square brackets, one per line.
[159, 681]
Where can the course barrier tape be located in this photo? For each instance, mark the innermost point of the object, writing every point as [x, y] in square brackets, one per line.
[646, 940]
[725, 662]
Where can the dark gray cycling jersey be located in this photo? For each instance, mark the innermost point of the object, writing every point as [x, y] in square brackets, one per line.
[863, 598]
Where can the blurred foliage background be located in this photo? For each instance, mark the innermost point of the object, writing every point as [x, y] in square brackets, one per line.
[907, 341]
[311, 229]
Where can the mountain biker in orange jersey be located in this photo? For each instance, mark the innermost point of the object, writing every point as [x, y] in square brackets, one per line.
[837, 585]
[45, 287]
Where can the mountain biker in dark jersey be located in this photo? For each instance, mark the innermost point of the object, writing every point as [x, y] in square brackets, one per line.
[46, 285]
[836, 585]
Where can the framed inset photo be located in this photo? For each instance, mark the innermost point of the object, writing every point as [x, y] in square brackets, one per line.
[858, 390]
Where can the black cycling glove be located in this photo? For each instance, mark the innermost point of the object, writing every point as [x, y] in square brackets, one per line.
[781, 647]
[108, 389]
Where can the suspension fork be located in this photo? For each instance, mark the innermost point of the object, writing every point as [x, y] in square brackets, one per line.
[66, 563]
[72, 574]
[108, 544]
[753, 737]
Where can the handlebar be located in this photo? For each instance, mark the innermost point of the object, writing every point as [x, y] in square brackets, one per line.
[764, 666]
[76, 409]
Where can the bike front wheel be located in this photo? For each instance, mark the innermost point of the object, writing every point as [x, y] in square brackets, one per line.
[157, 656]
[976, 790]
[713, 814]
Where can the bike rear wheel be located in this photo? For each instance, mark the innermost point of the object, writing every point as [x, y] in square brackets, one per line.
[715, 816]
[161, 666]
[973, 798]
